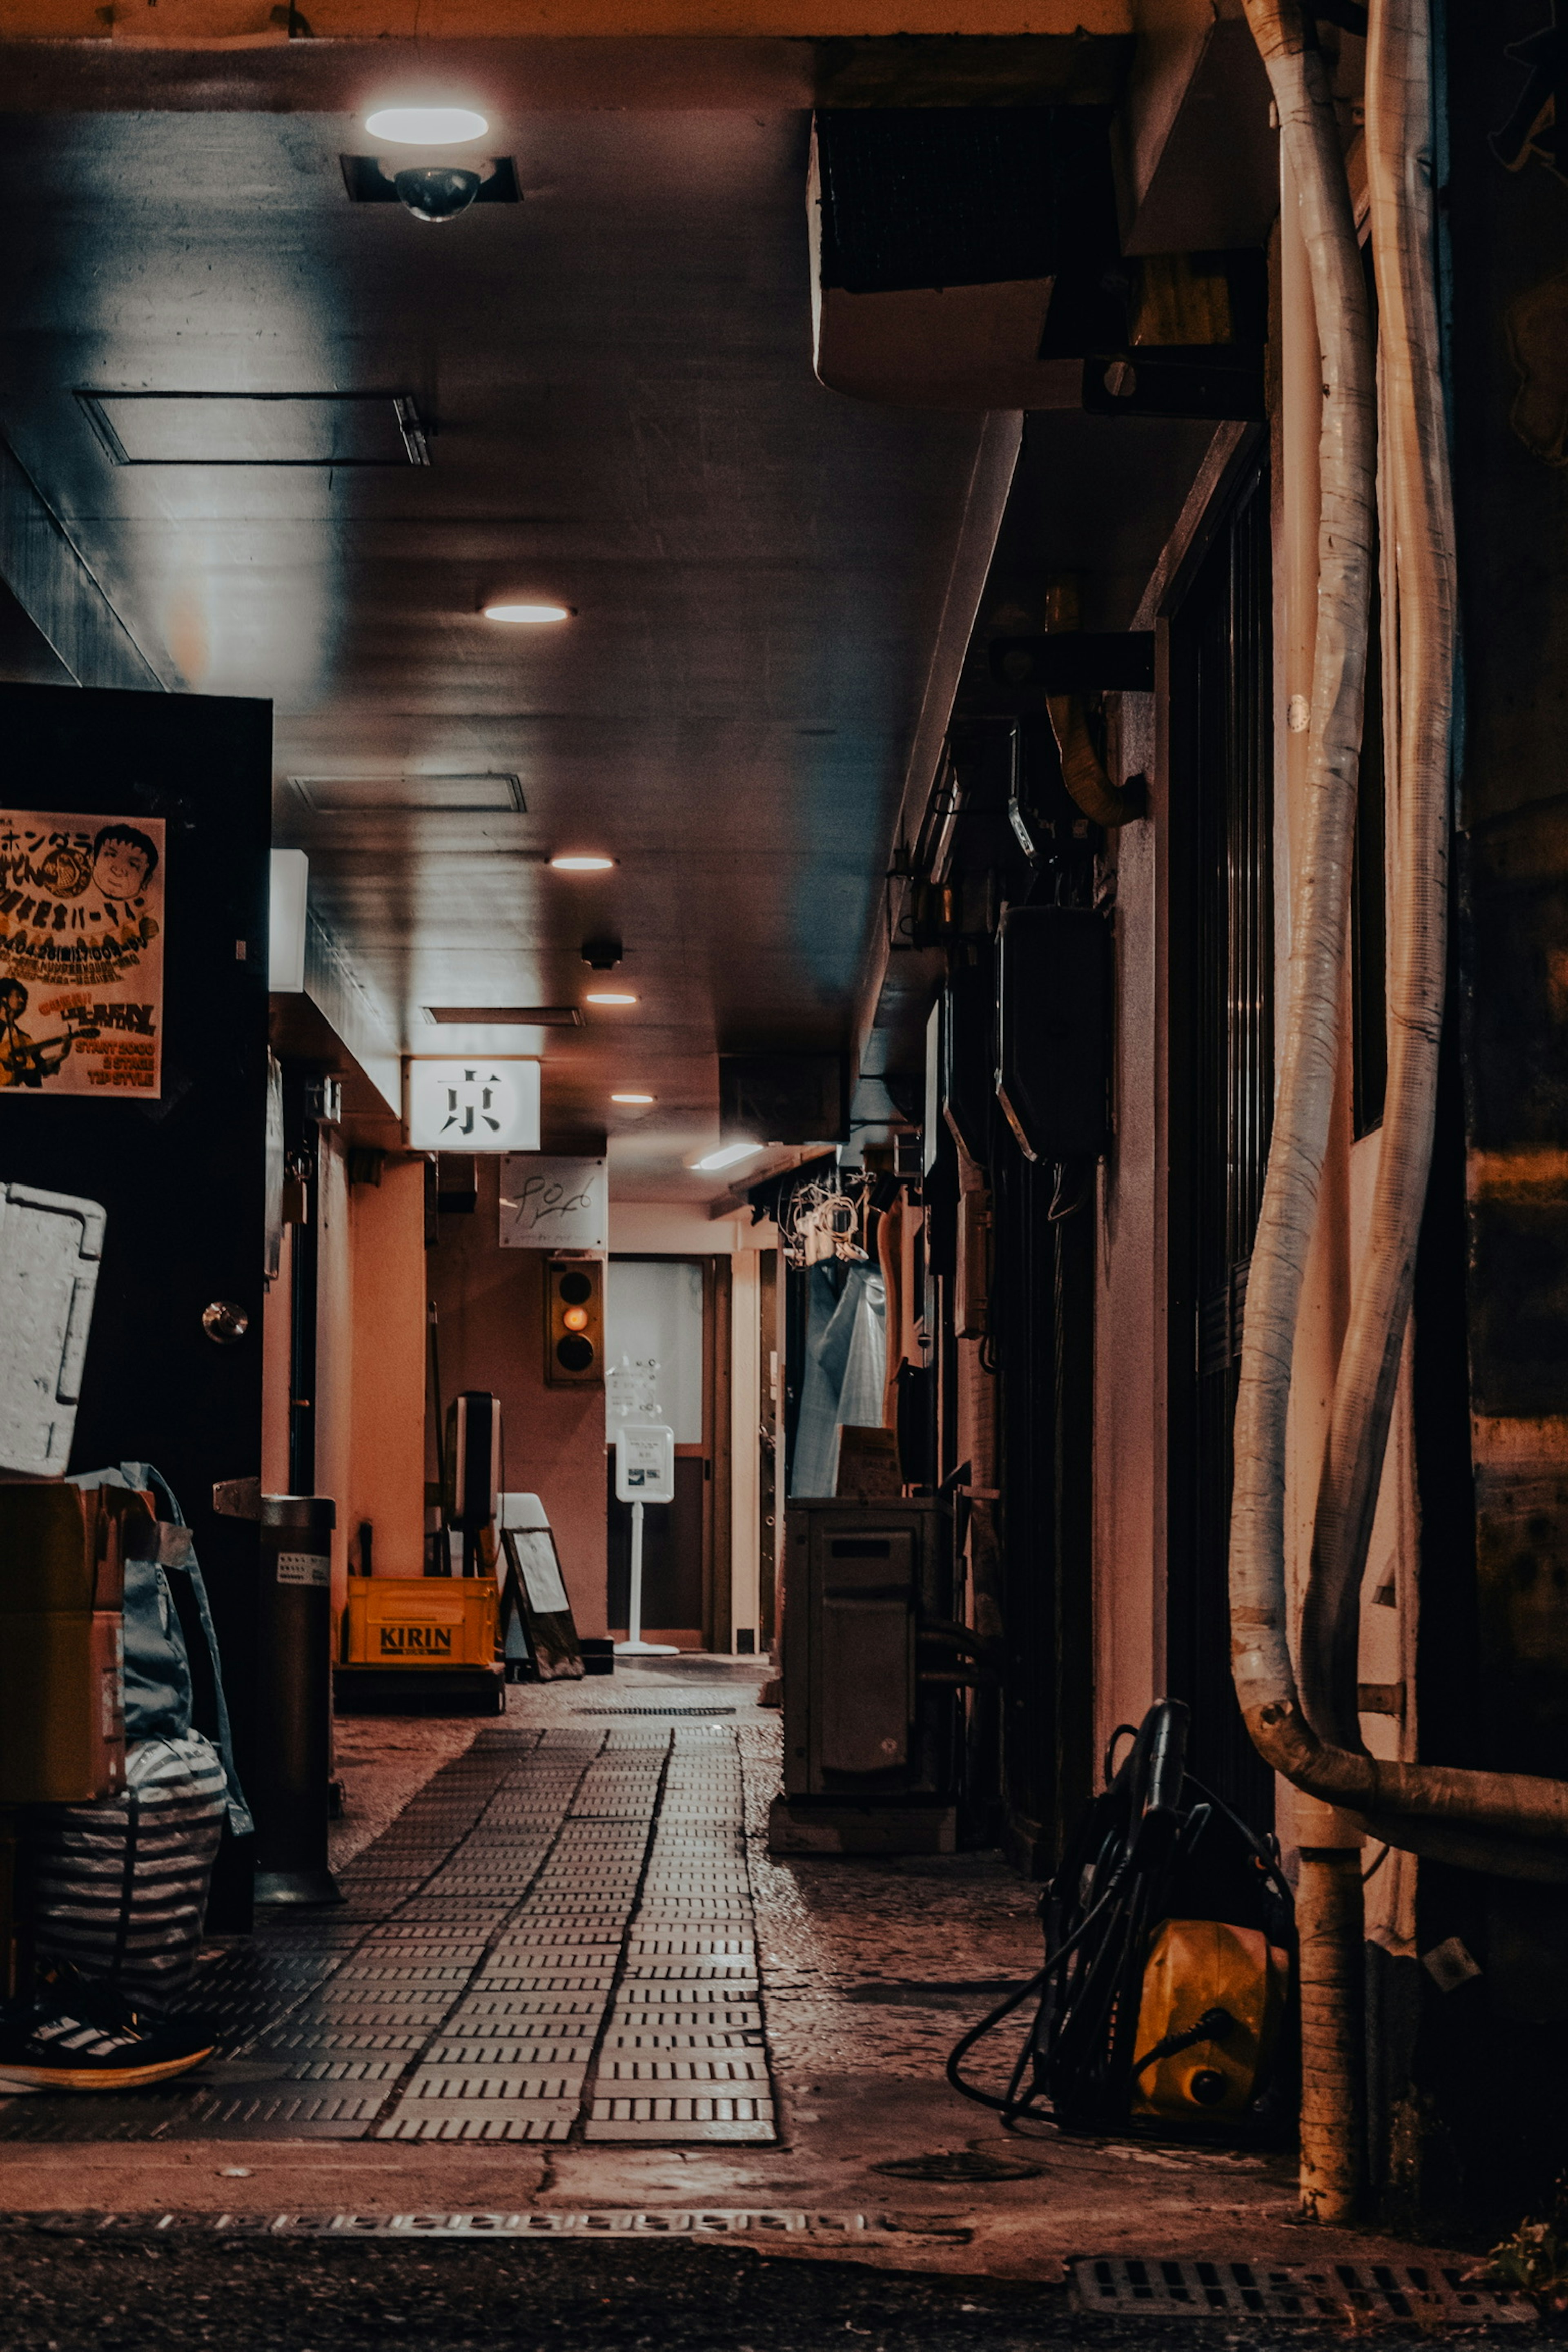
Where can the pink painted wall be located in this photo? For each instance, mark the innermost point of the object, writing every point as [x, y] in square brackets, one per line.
[490, 1302]
[386, 1464]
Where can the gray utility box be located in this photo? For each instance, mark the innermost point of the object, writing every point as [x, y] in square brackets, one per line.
[870, 1743]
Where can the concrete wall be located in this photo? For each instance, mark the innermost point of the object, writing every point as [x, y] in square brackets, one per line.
[337, 1344]
[490, 1302]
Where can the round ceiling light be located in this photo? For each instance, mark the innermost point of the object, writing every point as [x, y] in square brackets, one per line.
[587, 863]
[608, 996]
[426, 126]
[528, 616]
[631, 1098]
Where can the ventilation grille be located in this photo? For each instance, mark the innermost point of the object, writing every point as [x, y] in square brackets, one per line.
[387, 796]
[258, 428]
[497, 1016]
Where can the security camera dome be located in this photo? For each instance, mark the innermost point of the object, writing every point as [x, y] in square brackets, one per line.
[436, 191]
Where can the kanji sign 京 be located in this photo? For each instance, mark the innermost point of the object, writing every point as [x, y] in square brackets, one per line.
[473, 1104]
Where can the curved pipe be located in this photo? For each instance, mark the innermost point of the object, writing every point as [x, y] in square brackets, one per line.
[1261, 1655]
[1418, 530]
[1083, 769]
[1509, 1824]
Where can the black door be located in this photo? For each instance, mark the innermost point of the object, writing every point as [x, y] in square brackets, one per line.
[175, 795]
[1222, 1091]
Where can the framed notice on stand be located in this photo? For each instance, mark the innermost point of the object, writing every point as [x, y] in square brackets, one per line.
[539, 1632]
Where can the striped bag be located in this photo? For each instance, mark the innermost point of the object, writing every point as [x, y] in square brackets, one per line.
[120, 1887]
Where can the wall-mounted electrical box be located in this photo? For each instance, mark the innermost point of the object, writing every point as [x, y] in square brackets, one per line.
[870, 1718]
[1053, 1031]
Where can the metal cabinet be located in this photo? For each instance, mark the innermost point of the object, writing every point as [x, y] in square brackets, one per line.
[870, 1717]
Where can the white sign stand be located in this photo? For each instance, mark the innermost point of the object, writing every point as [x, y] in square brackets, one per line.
[645, 1473]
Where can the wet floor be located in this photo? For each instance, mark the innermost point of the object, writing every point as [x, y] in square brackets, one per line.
[570, 1994]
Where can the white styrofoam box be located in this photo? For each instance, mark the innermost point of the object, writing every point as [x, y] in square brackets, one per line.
[523, 1512]
[50, 1246]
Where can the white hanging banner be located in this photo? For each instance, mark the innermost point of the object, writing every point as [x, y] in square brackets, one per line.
[473, 1104]
[552, 1205]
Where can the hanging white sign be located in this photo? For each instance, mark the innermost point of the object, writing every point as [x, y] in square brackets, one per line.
[472, 1105]
[552, 1205]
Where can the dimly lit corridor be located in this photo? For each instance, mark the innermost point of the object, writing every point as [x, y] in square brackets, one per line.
[784, 1222]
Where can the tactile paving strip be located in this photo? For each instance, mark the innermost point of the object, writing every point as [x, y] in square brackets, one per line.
[554, 1924]
[690, 1975]
[1361, 2294]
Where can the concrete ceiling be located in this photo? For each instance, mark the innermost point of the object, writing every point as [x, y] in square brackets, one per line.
[617, 375]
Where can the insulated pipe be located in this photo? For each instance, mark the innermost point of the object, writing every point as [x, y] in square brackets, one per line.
[1260, 1655]
[1083, 769]
[1330, 1945]
[1330, 1931]
[1507, 1823]
[1418, 528]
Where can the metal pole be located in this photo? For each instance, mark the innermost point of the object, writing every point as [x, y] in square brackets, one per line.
[634, 1646]
[294, 1679]
[634, 1614]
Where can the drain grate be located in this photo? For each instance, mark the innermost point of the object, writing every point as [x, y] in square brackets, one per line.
[652, 1711]
[700, 2221]
[960, 2164]
[1364, 2292]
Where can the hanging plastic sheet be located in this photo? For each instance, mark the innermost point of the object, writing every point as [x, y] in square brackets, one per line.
[845, 1368]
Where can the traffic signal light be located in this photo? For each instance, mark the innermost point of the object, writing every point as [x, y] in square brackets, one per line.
[573, 1322]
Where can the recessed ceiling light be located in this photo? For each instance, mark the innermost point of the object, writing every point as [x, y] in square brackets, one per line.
[588, 862]
[535, 616]
[608, 996]
[631, 1098]
[426, 126]
[727, 1155]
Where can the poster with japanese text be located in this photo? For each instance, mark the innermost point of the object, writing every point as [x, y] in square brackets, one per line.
[81, 953]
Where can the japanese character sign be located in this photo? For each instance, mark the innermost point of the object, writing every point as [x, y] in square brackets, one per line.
[473, 1106]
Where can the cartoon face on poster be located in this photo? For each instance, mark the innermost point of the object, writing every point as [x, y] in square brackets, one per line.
[81, 953]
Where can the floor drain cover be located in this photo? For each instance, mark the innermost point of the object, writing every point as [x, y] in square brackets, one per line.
[1349, 2292]
[652, 1711]
[698, 2223]
[960, 2164]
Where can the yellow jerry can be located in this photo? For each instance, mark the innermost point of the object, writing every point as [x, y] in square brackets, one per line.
[1204, 1973]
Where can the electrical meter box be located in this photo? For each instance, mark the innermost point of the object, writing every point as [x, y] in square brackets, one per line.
[870, 1710]
[51, 1246]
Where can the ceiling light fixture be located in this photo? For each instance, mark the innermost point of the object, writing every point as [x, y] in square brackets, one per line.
[727, 1155]
[632, 1098]
[608, 996]
[426, 126]
[528, 616]
[587, 863]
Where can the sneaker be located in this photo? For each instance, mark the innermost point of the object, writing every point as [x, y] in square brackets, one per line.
[71, 2037]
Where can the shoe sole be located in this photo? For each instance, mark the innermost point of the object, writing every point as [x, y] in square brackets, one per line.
[96, 2078]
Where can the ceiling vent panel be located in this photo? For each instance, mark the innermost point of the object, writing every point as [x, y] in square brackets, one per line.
[505, 1016]
[258, 428]
[400, 795]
